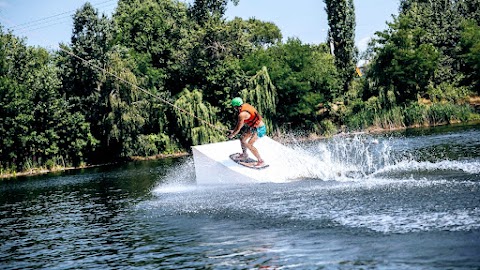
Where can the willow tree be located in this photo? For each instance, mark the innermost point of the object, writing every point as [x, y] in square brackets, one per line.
[124, 105]
[197, 119]
[341, 22]
[261, 93]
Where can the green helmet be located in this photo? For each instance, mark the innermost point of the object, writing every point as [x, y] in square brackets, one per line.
[236, 102]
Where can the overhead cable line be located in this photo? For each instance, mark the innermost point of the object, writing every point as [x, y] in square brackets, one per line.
[53, 17]
[29, 30]
[143, 90]
[48, 23]
[114, 75]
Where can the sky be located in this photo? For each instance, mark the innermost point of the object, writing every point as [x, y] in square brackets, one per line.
[47, 23]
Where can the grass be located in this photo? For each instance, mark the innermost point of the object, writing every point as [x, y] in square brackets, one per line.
[415, 115]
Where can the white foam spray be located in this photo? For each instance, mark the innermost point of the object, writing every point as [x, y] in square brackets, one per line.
[341, 159]
[365, 157]
[345, 159]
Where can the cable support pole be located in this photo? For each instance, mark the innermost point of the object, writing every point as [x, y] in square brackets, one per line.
[143, 90]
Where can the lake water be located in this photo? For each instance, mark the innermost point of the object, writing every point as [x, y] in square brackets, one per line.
[409, 200]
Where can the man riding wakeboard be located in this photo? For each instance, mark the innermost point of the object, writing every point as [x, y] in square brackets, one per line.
[253, 128]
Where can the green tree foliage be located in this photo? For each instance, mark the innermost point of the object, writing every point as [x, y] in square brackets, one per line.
[91, 40]
[83, 80]
[34, 117]
[124, 105]
[440, 21]
[262, 94]
[341, 22]
[110, 104]
[201, 54]
[470, 54]
[262, 33]
[159, 34]
[159, 77]
[423, 62]
[420, 49]
[469, 10]
[403, 64]
[204, 10]
[214, 63]
[303, 75]
[194, 130]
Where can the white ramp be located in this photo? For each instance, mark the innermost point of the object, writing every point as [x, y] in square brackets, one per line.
[214, 166]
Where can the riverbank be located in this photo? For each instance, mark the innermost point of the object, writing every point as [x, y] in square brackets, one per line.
[280, 137]
[298, 137]
[40, 171]
[59, 169]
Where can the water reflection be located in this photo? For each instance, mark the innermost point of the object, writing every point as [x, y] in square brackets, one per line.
[414, 205]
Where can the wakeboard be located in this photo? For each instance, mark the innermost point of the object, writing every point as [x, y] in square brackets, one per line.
[248, 162]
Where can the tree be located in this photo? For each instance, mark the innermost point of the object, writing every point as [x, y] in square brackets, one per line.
[125, 106]
[303, 76]
[262, 94]
[194, 130]
[219, 47]
[262, 33]
[470, 54]
[204, 10]
[158, 32]
[82, 78]
[442, 22]
[469, 10]
[403, 63]
[91, 40]
[102, 84]
[34, 117]
[341, 22]
[83, 82]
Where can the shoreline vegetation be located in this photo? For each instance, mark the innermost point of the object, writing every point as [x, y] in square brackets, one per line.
[280, 137]
[60, 169]
[158, 76]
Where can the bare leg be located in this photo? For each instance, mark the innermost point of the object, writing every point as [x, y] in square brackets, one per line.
[253, 138]
[243, 143]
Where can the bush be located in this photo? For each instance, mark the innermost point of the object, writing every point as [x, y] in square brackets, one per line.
[361, 120]
[390, 119]
[436, 114]
[448, 113]
[154, 144]
[448, 92]
[416, 115]
[50, 164]
[327, 128]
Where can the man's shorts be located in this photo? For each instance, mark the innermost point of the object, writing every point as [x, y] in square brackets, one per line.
[261, 131]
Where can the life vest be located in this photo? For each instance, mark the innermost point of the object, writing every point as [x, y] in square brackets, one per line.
[254, 116]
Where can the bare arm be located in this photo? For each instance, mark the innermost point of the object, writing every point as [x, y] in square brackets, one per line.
[240, 122]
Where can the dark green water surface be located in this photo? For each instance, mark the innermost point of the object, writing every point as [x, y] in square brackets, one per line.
[409, 200]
